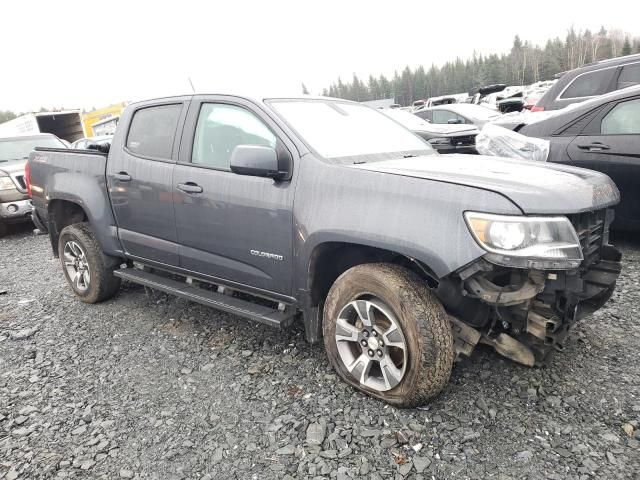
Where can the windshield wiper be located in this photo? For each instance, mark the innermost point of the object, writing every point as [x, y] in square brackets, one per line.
[409, 155]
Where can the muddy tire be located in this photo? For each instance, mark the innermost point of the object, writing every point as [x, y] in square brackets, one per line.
[387, 335]
[88, 271]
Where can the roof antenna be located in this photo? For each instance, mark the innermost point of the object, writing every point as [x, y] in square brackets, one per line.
[191, 83]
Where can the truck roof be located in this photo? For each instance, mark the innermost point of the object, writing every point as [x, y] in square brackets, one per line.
[256, 97]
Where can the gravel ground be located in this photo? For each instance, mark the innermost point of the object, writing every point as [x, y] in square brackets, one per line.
[150, 386]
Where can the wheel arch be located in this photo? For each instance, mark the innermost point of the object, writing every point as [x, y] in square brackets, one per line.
[60, 214]
[328, 260]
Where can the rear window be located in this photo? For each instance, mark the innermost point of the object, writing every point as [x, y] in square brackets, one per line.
[630, 75]
[589, 84]
[152, 131]
[424, 114]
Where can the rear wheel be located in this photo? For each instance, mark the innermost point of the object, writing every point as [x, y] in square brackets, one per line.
[88, 271]
[3, 229]
[386, 334]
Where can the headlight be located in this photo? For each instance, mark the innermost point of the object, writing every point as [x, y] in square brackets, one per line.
[6, 184]
[544, 243]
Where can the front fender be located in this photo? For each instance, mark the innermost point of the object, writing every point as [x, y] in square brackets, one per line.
[418, 218]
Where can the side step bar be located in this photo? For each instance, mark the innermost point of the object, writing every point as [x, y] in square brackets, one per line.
[259, 313]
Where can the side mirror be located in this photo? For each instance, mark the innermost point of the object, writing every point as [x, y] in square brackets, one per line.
[256, 161]
[454, 121]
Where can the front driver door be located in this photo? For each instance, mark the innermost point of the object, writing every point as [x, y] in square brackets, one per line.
[232, 227]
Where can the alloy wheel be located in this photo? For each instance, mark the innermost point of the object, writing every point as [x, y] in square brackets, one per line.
[77, 265]
[371, 344]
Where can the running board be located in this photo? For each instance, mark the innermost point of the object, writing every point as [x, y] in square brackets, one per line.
[220, 301]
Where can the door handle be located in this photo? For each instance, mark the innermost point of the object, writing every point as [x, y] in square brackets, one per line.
[190, 187]
[122, 177]
[594, 147]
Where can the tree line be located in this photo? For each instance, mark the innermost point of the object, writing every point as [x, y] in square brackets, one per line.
[524, 64]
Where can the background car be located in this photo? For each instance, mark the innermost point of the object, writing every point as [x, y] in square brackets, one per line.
[447, 138]
[459, 113]
[590, 81]
[15, 206]
[601, 134]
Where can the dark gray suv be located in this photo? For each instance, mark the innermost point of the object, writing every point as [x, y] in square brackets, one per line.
[590, 81]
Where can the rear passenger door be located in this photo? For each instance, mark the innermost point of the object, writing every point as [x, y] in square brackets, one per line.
[610, 143]
[139, 177]
[235, 228]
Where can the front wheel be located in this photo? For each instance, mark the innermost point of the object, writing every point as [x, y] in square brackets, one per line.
[387, 335]
[88, 271]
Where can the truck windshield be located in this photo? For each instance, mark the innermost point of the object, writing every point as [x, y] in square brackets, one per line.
[20, 148]
[336, 129]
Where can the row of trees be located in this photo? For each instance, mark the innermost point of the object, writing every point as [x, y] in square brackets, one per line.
[6, 115]
[524, 64]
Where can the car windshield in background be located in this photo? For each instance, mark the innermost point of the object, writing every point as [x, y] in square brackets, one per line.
[409, 120]
[479, 112]
[20, 148]
[337, 129]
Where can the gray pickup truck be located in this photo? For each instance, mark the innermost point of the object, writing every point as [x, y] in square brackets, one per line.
[324, 210]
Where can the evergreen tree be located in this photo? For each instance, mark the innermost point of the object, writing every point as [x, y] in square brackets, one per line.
[524, 64]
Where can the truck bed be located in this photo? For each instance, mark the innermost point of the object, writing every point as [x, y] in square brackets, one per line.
[75, 176]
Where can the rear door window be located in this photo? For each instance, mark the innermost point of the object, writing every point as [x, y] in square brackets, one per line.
[153, 130]
[623, 119]
[630, 75]
[589, 84]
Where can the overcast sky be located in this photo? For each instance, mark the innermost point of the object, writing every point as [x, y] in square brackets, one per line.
[82, 54]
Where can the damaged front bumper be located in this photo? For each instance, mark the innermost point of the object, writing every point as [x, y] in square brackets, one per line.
[526, 314]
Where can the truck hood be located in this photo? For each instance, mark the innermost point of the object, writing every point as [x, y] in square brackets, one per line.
[535, 187]
[12, 167]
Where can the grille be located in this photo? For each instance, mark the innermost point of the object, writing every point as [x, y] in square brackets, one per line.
[464, 140]
[20, 181]
[591, 228]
